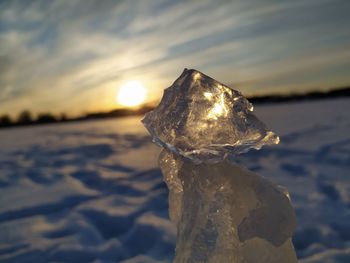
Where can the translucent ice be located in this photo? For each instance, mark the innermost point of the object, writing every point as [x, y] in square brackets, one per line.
[223, 212]
[227, 214]
[204, 120]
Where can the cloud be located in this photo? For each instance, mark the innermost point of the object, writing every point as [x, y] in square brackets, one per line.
[58, 55]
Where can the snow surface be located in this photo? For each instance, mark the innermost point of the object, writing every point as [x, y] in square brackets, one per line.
[92, 191]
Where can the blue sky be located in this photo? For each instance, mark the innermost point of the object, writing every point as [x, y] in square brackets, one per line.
[72, 56]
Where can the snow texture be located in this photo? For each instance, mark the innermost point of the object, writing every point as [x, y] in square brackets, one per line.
[92, 192]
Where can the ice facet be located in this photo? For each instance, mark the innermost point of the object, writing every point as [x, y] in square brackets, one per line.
[204, 120]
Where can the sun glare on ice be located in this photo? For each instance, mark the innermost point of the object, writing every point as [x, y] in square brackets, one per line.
[132, 93]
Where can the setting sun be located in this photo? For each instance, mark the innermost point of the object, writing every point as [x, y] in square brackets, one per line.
[132, 93]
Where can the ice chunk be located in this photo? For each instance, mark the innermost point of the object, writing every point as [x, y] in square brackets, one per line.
[204, 120]
[223, 213]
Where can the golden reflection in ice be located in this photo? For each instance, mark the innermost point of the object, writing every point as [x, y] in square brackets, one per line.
[197, 76]
[208, 95]
[277, 140]
[219, 109]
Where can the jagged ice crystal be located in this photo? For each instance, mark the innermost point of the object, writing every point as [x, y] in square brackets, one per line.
[202, 119]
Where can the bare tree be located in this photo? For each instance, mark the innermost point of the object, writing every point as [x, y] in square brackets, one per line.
[45, 118]
[25, 117]
[5, 121]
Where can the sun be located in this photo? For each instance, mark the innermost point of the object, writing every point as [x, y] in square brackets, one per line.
[131, 94]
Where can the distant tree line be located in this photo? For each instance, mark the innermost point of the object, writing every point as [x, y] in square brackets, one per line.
[26, 118]
[314, 95]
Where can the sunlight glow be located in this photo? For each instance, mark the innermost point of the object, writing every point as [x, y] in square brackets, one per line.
[132, 93]
[208, 95]
[197, 76]
[219, 109]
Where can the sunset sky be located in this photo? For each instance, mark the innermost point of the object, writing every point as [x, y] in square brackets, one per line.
[73, 56]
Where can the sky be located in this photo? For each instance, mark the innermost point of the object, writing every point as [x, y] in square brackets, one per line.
[73, 56]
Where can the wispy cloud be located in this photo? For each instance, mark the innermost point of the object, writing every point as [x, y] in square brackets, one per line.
[72, 55]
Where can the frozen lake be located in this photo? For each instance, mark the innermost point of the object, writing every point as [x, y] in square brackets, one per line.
[92, 192]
